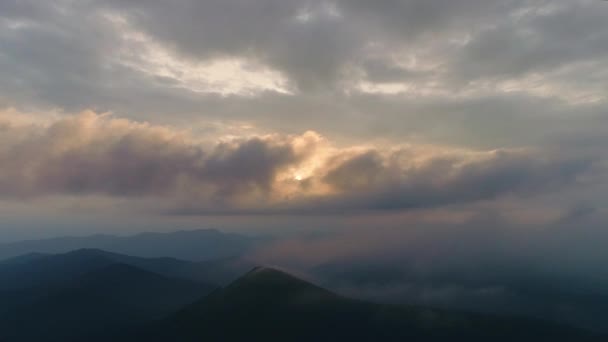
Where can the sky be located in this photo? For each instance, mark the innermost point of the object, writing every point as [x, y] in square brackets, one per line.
[464, 126]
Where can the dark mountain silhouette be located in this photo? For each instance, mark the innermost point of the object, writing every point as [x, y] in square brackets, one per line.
[37, 283]
[23, 259]
[54, 270]
[13, 299]
[94, 296]
[269, 305]
[97, 305]
[196, 245]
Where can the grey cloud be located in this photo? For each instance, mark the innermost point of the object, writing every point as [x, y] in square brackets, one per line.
[314, 52]
[381, 71]
[93, 155]
[412, 18]
[311, 52]
[360, 172]
[253, 162]
[89, 154]
[61, 61]
[573, 33]
[59, 58]
[369, 182]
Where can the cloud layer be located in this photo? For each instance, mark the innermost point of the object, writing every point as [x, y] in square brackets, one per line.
[91, 154]
[487, 74]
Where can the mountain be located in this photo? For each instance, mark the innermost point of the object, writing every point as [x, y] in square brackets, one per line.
[269, 305]
[23, 259]
[99, 304]
[91, 295]
[34, 270]
[196, 245]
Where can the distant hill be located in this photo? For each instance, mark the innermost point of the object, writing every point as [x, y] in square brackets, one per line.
[269, 305]
[23, 259]
[99, 304]
[196, 245]
[36, 270]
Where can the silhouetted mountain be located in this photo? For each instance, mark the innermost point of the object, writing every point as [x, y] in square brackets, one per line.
[54, 270]
[269, 305]
[194, 245]
[36, 288]
[23, 259]
[97, 305]
[13, 299]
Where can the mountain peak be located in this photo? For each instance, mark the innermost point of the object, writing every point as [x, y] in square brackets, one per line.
[269, 276]
[264, 270]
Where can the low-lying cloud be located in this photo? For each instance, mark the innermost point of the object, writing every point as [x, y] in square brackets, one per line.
[554, 269]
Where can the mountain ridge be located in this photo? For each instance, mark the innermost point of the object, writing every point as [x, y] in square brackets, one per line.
[55, 269]
[266, 304]
[194, 245]
[99, 304]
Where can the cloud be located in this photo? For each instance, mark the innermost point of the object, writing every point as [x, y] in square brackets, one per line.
[413, 105]
[91, 154]
[486, 74]
[399, 180]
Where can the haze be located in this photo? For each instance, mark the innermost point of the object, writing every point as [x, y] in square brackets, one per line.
[441, 140]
